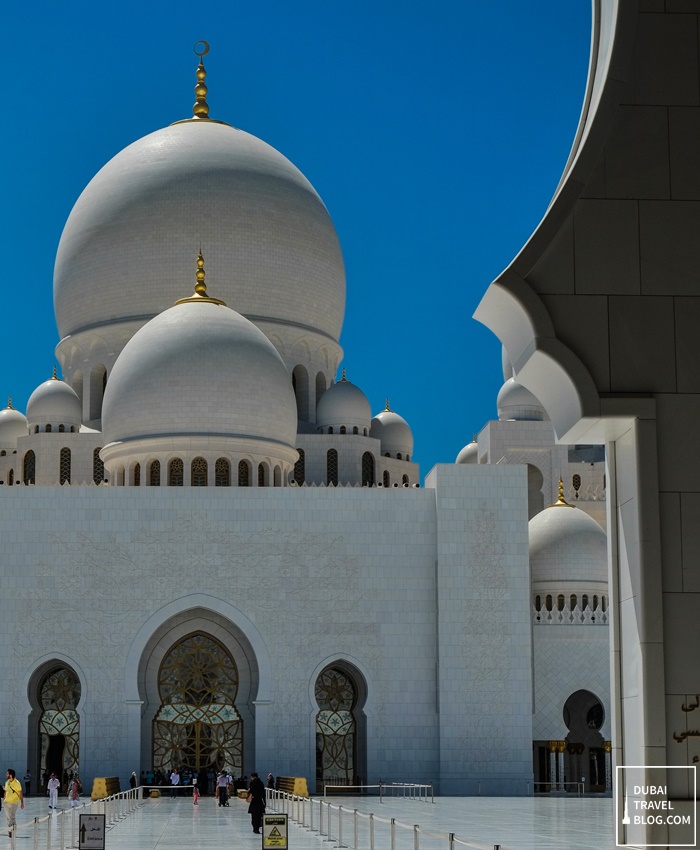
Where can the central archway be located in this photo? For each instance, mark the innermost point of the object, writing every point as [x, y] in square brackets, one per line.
[197, 726]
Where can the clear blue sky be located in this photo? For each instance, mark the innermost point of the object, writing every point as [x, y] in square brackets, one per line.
[435, 133]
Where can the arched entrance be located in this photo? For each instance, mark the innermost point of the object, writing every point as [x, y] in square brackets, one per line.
[584, 757]
[55, 699]
[339, 727]
[198, 726]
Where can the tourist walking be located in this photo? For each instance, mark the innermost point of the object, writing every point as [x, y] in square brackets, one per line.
[256, 798]
[174, 782]
[74, 790]
[13, 797]
[222, 788]
[27, 783]
[53, 786]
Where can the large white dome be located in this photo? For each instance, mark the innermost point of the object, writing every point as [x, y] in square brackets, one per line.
[567, 545]
[517, 402]
[198, 373]
[269, 240]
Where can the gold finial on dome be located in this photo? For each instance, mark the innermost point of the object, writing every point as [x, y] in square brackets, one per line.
[343, 378]
[9, 403]
[387, 409]
[200, 110]
[54, 377]
[200, 289]
[201, 107]
[474, 438]
[561, 501]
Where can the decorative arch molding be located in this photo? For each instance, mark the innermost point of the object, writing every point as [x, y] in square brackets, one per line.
[42, 665]
[355, 667]
[197, 602]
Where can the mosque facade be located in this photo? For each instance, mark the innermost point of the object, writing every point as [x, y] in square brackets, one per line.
[215, 555]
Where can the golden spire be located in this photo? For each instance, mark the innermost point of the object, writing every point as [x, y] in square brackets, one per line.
[561, 501]
[387, 409]
[9, 402]
[54, 377]
[200, 110]
[474, 438]
[200, 289]
[343, 378]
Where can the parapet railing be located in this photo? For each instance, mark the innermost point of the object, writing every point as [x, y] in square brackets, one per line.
[410, 790]
[356, 830]
[56, 829]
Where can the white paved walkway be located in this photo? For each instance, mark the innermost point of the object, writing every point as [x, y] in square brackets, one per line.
[515, 823]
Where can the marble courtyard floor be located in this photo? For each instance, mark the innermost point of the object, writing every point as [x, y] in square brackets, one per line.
[514, 823]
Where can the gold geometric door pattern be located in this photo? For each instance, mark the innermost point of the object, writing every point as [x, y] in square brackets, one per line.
[336, 696]
[197, 725]
[59, 724]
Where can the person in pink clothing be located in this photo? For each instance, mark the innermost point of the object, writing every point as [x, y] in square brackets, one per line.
[195, 793]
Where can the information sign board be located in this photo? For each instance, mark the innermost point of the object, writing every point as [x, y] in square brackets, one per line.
[274, 832]
[91, 832]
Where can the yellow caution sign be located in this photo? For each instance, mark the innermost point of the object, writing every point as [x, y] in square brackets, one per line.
[274, 832]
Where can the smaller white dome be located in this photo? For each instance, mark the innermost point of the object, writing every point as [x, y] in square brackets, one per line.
[13, 424]
[567, 545]
[343, 403]
[516, 402]
[469, 454]
[54, 403]
[393, 432]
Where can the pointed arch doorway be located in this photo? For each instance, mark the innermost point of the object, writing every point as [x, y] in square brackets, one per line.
[198, 726]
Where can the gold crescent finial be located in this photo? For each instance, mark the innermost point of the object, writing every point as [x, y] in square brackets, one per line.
[343, 378]
[200, 288]
[474, 438]
[200, 110]
[561, 501]
[54, 377]
[9, 402]
[387, 409]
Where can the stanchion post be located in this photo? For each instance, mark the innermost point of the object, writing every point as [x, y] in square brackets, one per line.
[320, 818]
[416, 837]
[393, 834]
[451, 841]
[371, 831]
[340, 826]
[355, 819]
[48, 832]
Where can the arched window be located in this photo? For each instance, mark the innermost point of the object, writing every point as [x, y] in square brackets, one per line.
[408, 457]
[404, 480]
[261, 475]
[72, 429]
[398, 455]
[330, 429]
[584, 601]
[36, 429]
[154, 474]
[299, 470]
[355, 429]
[243, 474]
[576, 483]
[603, 604]
[387, 454]
[137, 475]
[367, 469]
[595, 602]
[199, 471]
[332, 467]
[336, 729]
[61, 429]
[560, 602]
[98, 467]
[176, 473]
[222, 473]
[538, 603]
[343, 430]
[548, 602]
[365, 432]
[385, 478]
[64, 466]
[277, 477]
[48, 429]
[572, 602]
[11, 477]
[300, 385]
